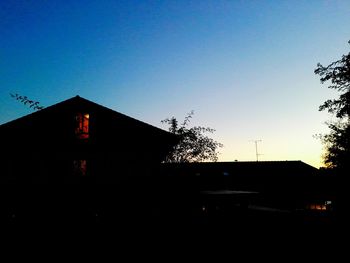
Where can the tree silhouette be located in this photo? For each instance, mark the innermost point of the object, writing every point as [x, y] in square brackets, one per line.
[34, 105]
[337, 142]
[193, 145]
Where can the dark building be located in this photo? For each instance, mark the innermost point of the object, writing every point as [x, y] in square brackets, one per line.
[77, 160]
[285, 185]
[77, 139]
[258, 176]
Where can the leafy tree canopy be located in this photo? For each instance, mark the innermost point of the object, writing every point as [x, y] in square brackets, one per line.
[193, 145]
[337, 142]
[34, 105]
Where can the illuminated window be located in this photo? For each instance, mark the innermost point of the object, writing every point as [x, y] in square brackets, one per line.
[82, 125]
[80, 167]
[318, 206]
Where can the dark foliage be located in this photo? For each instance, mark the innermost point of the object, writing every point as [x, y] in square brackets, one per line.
[337, 142]
[26, 101]
[194, 145]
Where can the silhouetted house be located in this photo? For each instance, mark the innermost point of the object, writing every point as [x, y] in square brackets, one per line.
[243, 175]
[278, 183]
[77, 139]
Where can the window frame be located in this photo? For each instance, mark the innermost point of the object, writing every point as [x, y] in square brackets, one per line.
[82, 126]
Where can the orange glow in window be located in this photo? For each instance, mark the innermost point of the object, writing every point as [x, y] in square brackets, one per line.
[82, 126]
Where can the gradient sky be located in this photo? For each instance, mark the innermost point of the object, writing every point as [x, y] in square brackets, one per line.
[244, 67]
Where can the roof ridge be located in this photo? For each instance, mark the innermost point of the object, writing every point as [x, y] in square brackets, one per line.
[79, 98]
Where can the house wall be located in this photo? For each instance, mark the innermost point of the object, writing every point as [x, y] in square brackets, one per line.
[43, 146]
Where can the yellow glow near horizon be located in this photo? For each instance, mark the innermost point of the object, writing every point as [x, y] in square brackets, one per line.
[308, 151]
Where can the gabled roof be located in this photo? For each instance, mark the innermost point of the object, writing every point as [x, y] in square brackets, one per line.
[75, 103]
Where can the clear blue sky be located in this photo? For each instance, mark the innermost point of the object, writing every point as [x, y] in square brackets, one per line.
[244, 67]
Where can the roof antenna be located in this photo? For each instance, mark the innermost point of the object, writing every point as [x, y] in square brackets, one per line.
[256, 149]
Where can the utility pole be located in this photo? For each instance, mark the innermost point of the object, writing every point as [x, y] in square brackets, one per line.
[256, 149]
